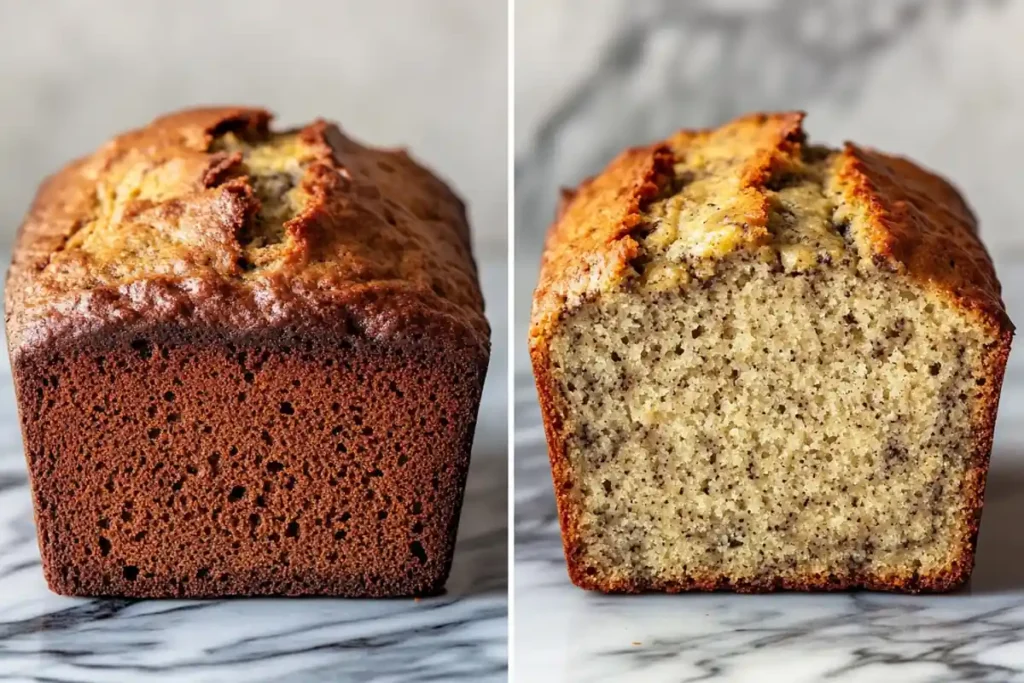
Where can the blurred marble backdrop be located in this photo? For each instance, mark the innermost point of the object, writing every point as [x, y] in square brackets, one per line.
[939, 80]
[428, 75]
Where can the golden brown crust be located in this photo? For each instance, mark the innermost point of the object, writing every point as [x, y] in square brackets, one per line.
[588, 244]
[902, 218]
[374, 223]
[916, 223]
[908, 218]
[591, 243]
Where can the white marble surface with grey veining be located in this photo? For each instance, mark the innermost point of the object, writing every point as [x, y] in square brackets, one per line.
[938, 81]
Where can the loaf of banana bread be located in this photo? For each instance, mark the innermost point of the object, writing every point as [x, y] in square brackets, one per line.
[764, 364]
[247, 362]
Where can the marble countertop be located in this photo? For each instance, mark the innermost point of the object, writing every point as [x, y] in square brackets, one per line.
[460, 635]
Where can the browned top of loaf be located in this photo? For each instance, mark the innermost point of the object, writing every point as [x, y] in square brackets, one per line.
[207, 214]
[900, 217]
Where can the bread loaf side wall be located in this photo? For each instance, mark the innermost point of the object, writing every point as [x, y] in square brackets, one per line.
[177, 463]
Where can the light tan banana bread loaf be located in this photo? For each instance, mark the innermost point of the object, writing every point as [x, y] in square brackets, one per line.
[764, 364]
[247, 363]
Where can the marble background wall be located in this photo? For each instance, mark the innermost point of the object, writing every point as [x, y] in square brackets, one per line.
[938, 80]
[429, 75]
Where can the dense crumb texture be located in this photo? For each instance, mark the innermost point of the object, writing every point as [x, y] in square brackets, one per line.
[768, 365]
[247, 363]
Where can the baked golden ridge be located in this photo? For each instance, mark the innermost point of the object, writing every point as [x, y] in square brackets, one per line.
[171, 203]
[247, 362]
[746, 210]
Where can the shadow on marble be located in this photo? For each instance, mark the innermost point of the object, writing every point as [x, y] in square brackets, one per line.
[480, 566]
[999, 566]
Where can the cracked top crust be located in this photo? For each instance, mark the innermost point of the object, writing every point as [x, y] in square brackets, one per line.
[207, 215]
[665, 215]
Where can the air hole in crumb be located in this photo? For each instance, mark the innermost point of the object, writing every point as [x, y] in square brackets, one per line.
[417, 549]
[169, 396]
[274, 466]
[383, 514]
[202, 573]
[697, 331]
[402, 459]
[287, 409]
[417, 508]
[131, 572]
[143, 348]
[934, 368]
[339, 535]
[248, 377]
[153, 433]
[293, 530]
[254, 520]
[237, 493]
[616, 357]
[104, 546]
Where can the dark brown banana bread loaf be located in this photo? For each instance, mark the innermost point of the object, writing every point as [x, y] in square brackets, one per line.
[764, 364]
[246, 362]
